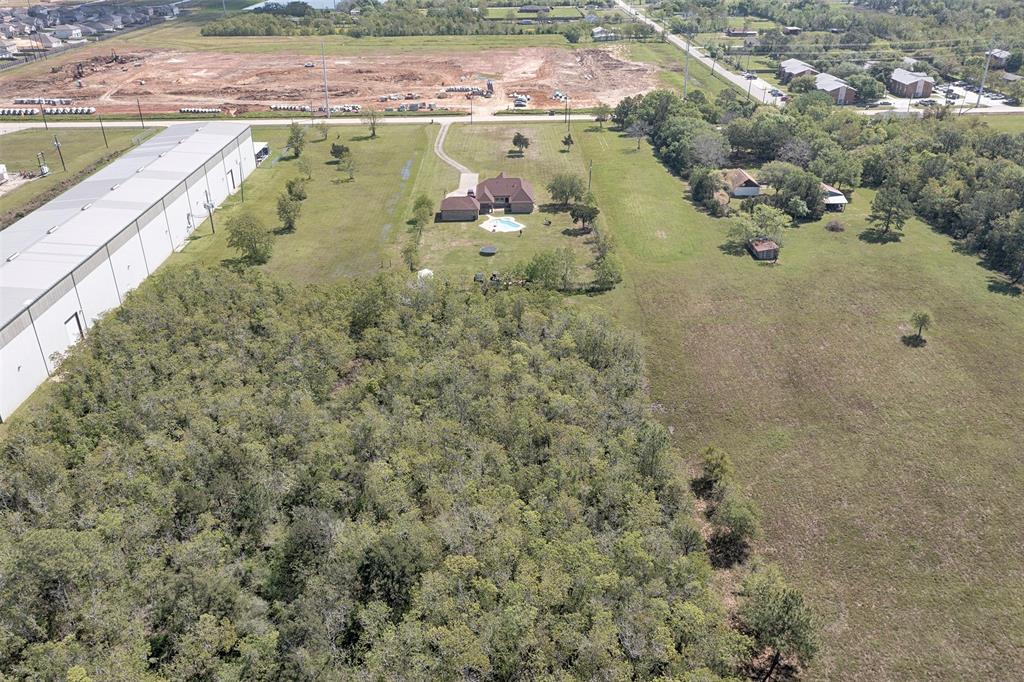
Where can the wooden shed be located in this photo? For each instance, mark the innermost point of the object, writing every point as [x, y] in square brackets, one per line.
[762, 248]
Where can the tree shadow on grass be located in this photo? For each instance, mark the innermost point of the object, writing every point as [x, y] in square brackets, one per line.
[576, 231]
[282, 230]
[514, 154]
[236, 264]
[552, 208]
[914, 341]
[733, 248]
[874, 235]
[594, 129]
[361, 138]
[998, 285]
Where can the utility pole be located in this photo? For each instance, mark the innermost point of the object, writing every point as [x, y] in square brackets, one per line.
[104, 131]
[984, 74]
[567, 113]
[139, 105]
[327, 101]
[42, 108]
[224, 6]
[56, 144]
[686, 68]
[590, 174]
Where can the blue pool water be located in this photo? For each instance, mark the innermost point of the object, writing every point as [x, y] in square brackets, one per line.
[502, 224]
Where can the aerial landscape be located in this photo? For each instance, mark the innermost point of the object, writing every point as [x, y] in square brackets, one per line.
[673, 340]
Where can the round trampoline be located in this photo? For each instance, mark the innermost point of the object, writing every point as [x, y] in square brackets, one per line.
[488, 250]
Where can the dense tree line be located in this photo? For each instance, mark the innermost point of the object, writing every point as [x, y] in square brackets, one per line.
[235, 479]
[958, 174]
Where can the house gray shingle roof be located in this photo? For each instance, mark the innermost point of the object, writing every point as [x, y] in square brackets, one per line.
[910, 77]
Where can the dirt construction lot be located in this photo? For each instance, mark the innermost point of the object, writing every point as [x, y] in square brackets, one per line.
[165, 80]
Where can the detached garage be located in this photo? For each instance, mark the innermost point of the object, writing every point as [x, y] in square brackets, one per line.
[76, 257]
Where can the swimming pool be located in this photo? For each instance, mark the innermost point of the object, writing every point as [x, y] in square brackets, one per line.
[502, 224]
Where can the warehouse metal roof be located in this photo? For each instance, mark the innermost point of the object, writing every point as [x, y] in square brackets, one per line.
[40, 250]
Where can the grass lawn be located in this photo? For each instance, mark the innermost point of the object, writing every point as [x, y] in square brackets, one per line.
[346, 228]
[453, 248]
[889, 476]
[82, 147]
[671, 61]
[752, 23]
[185, 36]
[1008, 123]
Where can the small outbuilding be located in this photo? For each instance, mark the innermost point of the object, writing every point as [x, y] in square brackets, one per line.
[763, 248]
[741, 183]
[834, 199]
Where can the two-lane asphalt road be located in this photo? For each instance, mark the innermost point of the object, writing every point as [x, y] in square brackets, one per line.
[759, 89]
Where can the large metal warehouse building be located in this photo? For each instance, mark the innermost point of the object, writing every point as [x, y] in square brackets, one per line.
[76, 257]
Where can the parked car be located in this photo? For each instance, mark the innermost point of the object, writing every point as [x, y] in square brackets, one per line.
[309, 65]
[1013, 102]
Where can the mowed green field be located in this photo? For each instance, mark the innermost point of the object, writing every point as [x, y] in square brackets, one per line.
[1008, 123]
[346, 228]
[356, 228]
[185, 36]
[453, 248]
[673, 69]
[81, 147]
[889, 476]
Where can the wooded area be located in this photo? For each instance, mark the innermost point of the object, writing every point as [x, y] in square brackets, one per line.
[238, 479]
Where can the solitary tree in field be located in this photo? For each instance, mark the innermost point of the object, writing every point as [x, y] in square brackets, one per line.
[639, 130]
[288, 209]
[566, 187]
[891, 209]
[321, 128]
[248, 234]
[568, 142]
[921, 321]
[520, 142]
[370, 118]
[296, 189]
[585, 214]
[306, 168]
[296, 139]
[339, 152]
[602, 112]
[776, 616]
[422, 212]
